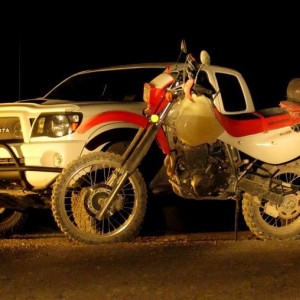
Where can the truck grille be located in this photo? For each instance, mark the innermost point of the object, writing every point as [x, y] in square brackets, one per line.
[10, 129]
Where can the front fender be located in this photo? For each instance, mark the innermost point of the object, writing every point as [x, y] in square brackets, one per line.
[123, 116]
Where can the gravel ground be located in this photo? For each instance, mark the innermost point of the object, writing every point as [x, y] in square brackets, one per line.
[178, 258]
[173, 266]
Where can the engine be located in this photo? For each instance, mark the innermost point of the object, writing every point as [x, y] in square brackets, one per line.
[200, 171]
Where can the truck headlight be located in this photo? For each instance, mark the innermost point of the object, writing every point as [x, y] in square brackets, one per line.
[56, 125]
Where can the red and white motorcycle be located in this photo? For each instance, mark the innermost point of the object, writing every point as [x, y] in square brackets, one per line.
[250, 157]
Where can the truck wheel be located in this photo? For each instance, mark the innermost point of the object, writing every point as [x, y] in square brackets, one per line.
[11, 221]
[118, 147]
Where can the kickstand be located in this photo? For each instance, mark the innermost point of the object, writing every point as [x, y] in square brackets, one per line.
[236, 217]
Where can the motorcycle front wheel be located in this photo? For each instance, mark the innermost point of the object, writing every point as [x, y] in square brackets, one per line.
[81, 191]
[273, 221]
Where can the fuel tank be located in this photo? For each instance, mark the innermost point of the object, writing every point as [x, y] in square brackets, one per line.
[196, 123]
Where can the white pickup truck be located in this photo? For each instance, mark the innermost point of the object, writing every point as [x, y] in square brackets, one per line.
[39, 137]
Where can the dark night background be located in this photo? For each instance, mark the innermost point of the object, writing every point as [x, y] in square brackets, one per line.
[52, 42]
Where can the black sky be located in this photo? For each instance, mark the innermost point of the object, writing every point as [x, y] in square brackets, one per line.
[260, 43]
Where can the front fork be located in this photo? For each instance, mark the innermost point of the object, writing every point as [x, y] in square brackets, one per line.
[131, 159]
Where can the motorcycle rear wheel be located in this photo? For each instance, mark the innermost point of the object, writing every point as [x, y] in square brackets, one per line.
[285, 226]
[81, 190]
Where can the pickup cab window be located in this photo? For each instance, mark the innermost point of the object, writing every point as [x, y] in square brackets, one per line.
[110, 85]
[232, 95]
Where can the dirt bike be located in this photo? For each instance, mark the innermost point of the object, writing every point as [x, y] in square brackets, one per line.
[250, 157]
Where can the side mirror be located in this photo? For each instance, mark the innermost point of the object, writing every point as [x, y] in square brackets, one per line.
[183, 47]
[204, 58]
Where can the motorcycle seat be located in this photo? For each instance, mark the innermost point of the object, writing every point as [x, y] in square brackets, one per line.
[244, 124]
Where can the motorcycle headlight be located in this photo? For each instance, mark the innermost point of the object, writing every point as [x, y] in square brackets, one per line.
[56, 125]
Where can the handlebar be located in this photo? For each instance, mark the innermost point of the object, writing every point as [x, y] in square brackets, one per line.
[196, 84]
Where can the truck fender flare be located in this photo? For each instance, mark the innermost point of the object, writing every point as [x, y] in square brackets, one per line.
[123, 116]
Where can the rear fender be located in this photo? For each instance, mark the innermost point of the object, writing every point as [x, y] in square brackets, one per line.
[123, 116]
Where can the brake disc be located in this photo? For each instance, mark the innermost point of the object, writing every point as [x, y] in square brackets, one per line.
[290, 207]
[96, 198]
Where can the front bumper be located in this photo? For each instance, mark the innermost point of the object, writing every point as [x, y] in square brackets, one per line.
[37, 165]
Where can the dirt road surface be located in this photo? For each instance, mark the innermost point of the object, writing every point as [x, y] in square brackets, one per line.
[171, 266]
